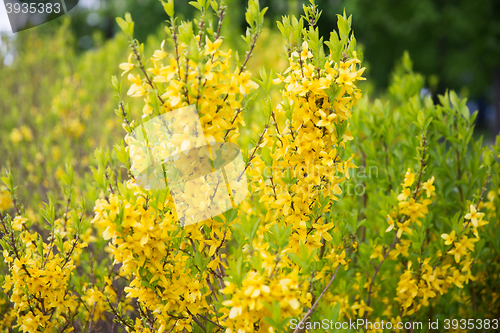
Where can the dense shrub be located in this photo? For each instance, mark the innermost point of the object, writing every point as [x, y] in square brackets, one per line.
[359, 208]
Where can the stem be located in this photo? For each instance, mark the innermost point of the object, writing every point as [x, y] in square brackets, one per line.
[253, 153]
[146, 316]
[365, 200]
[138, 58]
[482, 191]
[396, 239]
[317, 301]
[202, 24]
[68, 256]
[221, 18]
[232, 122]
[468, 223]
[118, 316]
[176, 46]
[197, 321]
[459, 176]
[125, 115]
[249, 52]
[422, 165]
[377, 269]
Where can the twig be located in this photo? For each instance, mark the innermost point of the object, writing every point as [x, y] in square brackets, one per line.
[422, 165]
[396, 239]
[232, 122]
[253, 153]
[68, 255]
[468, 222]
[317, 301]
[377, 269]
[221, 18]
[482, 191]
[146, 316]
[249, 52]
[459, 175]
[197, 321]
[118, 316]
[138, 58]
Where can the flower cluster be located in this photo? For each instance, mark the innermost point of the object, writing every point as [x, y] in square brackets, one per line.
[412, 206]
[306, 158]
[300, 246]
[5, 200]
[251, 302]
[39, 277]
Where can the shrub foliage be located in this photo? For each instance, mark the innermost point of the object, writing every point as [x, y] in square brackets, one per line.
[379, 209]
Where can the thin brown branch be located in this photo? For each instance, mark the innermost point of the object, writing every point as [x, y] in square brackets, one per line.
[197, 321]
[221, 18]
[118, 316]
[133, 46]
[311, 310]
[377, 269]
[253, 153]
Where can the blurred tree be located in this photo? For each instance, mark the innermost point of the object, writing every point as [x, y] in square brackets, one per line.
[457, 40]
[455, 43]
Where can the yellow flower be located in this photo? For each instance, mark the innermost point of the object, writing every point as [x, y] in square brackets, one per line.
[404, 227]
[362, 308]
[456, 279]
[160, 54]
[7, 259]
[136, 89]
[409, 178]
[462, 247]
[404, 194]
[305, 53]
[391, 223]
[16, 136]
[246, 85]
[127, 66]
[377, 253]
[27, 133]
[18, 222]
[448, 239]
[429, 188]
[474, 216]
[402, 248]
[5, 200]
[212, 47]
[340, 259]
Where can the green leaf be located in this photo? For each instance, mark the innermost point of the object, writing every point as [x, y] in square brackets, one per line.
[230, 215]
[123, 25]
[196, 5]
[215, 6]
[343, 26]
[40, 246]
[115, 83]
[421, 119]
[168, 7]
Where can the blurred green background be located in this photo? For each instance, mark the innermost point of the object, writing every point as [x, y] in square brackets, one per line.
[454, 43]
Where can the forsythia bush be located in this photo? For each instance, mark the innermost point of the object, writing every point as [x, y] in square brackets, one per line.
[53, 103]
[375, 209]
